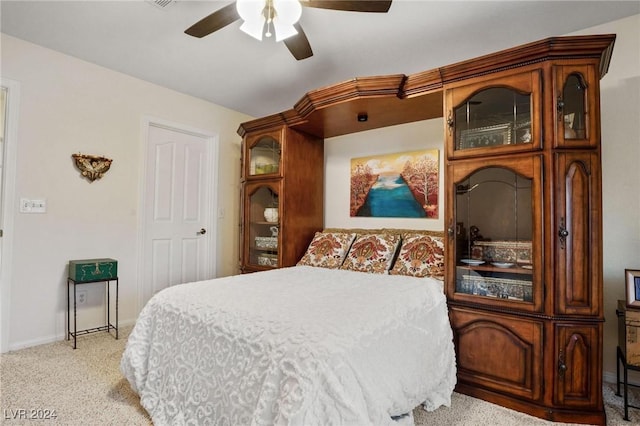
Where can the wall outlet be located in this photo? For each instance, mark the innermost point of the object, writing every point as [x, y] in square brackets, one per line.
[81, 297]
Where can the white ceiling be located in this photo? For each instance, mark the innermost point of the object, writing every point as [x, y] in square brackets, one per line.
[231, 69]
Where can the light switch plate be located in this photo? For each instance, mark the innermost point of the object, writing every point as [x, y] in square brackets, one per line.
[33, 206]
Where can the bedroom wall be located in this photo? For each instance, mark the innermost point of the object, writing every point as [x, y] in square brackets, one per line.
[620, 102]
[66, 106]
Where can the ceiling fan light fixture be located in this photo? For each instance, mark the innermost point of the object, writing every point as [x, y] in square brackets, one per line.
[251, 12]
[283, 14]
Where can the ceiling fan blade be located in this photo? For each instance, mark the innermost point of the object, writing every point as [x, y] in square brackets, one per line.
[298, 44]
[217, 20]
[379, 6]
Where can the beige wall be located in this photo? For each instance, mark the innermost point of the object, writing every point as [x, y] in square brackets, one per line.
[66, 106]
[620, 102]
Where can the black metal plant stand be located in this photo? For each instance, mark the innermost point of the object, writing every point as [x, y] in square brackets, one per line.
[107, 327]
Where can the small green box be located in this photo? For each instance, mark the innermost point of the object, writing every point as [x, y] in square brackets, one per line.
[86, 270]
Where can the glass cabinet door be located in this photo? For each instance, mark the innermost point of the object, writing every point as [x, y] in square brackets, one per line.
[575, 105]
[487, 118]
[263, 225]
[264, 155]
[495, 116]
[496, 230]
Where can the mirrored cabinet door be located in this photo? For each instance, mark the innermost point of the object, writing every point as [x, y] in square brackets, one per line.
[495, 256]
[264, 155]
[492, 117]
[262, 224]
[576, 106]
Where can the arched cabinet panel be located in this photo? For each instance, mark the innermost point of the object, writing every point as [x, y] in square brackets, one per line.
[500, 353]
[577, 225]
[578, 352]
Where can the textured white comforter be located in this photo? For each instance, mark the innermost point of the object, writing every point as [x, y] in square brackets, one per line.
[299, 346]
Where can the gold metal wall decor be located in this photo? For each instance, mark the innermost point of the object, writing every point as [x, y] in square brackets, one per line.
[92, 166]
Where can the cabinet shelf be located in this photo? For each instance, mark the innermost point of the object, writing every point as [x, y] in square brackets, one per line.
[265, 223]
[490, 268]
[265, 249]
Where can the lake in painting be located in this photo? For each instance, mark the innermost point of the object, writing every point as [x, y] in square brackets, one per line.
[390, 196]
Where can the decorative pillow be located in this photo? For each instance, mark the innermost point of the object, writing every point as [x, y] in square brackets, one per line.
[372, 253]
[420, 256]
[327, 249]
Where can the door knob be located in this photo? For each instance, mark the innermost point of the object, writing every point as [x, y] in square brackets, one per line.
[202, 231]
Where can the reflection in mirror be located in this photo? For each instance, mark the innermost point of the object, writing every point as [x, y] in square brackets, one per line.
[263, 227]
[265, 156]
[494, 221]
[574, 113]
[494, 116]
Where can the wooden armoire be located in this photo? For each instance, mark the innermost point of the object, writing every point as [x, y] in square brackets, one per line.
[521, 132]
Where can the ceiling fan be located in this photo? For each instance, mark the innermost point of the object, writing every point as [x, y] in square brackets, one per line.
[258, 13]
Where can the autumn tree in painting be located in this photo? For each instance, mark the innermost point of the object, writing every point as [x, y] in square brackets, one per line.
[362, 179]
[421, 174]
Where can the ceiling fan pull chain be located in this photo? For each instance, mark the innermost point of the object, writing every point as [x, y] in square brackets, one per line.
[268, 33]
[269, 17]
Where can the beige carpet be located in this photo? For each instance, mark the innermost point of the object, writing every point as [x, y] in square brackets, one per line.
[85, 386]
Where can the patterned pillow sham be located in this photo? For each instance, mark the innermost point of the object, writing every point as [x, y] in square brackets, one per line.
[327, 249]
[372, 253]
[420, 256]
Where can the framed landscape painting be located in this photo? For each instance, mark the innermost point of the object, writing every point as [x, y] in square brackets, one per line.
[404, 184]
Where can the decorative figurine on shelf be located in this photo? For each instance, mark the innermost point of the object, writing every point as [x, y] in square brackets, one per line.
[474, 234]
[274, 231]
[526, 137]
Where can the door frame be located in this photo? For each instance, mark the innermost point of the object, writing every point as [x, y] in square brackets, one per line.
[8, 206]
[211, 267]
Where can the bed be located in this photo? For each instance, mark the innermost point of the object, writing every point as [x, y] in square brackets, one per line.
[303, 345]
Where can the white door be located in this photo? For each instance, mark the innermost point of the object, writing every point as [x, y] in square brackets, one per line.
[10, 95]
[178, 202]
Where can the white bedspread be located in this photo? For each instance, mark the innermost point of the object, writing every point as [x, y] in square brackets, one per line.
[299, 346]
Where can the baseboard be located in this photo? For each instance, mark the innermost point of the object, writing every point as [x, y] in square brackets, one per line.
[610, 377]
[55, 338]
